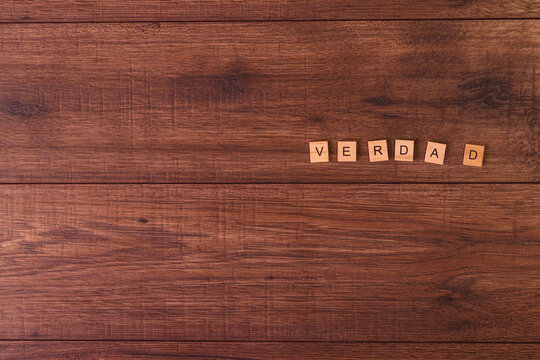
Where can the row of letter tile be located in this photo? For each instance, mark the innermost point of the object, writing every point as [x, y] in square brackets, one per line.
[404, 151]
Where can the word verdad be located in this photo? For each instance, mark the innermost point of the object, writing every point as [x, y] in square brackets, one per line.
[404, 151]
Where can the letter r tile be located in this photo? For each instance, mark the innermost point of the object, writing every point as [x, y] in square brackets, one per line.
[378, 150]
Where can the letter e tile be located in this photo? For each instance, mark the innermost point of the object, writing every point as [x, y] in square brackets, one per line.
[346, 151]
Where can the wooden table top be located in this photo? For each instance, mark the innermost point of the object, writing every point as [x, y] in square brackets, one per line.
[157, 199]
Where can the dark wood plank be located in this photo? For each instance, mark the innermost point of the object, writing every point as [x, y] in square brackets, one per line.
[49, 350]
[270, 262]
[189, 10]
[239, 102]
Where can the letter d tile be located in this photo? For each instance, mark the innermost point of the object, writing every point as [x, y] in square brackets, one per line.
[404, 150]
[474, 155]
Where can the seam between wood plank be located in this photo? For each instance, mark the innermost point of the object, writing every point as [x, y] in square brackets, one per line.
[267, 183]
[266, 21]
[272, 342]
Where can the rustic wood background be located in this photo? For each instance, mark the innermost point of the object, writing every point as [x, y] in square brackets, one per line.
[157, 200]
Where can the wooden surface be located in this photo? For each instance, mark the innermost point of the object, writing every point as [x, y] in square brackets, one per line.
[157, 199]
[239, 102]
[32, 350]
[270, 262]
[203, 10]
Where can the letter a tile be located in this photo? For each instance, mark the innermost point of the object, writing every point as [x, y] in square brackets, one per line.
[435, 153]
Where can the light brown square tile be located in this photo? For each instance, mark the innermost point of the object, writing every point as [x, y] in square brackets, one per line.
[318, 151]
[435, 153]
[404, 150]
[474, 155]
[378, 150]
[346, 151]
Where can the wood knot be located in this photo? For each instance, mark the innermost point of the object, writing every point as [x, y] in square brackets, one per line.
[380, 100]
[21, 109]
[489, 92]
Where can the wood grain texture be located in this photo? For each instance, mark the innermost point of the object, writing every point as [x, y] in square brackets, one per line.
[212, 103]
[200, 10]
[270, 262]
[49, 350]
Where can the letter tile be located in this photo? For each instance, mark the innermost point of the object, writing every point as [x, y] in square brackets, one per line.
[435, 153]
[318, 151]
[346, 151]
[378, 150]
[474, 155]
[404, 150]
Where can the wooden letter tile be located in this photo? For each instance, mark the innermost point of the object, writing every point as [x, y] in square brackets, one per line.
[346, 151]
[318, 151]
[435, 153]
[378, 150]
[474, 155]
[404, 150]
